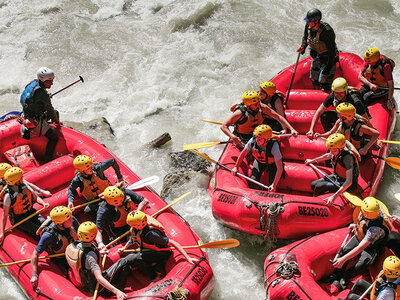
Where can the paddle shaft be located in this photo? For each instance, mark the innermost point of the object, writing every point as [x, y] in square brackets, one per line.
[366, 292]
[291, 81]
[96, 291]
[386, 88]
[24, 220]
[341, 246]
[325, 176]
[29, 260]
[64, 88]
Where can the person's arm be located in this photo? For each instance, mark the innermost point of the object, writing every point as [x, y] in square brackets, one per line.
[75, 183]
[40, 200]
[34, 265]
[36, 188]
[143, 204]
[328, 37]
[336, 128]
[103, 219]
[271, 113]
[242, 155]
[110, 163]
[104, 282]
[303, 46]
[347, 183]
[323, 157]
[48, 106]
[391, 102]
[182, 251]
[374, 135]
[315, 119]
[6, 211]
[233, 118]
[362, 79]
[141, 201]
[278, 175]
[354, 252]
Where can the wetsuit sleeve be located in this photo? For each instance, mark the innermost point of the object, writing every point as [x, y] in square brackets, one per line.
[153, 237]
[75, 223]
[104, 218]
[276, 152]
[136, 198]
[72, 193]
[328, 37]
[43, 97]
[305, 37]
[100, 168]
[328, 100]
[373, 234]
[348, 162]
[91, 262]
[45, 242]
[387, 72]
[248, 146]
[358, 104]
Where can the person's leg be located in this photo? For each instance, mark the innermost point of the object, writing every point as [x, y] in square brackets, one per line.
[51, 144]
[326, 79]
[257, 170]
[322, 186]
[314, 73]
[32, 225]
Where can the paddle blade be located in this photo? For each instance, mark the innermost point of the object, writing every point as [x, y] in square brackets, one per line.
[212, 122]
[230, 243]
[202, 145]
[389, 142]
[397, 196]
[353, 199]
[144, 182]
[394, 162]
[205, 156]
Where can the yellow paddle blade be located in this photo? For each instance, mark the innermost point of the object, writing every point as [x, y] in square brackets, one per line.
[390, 142]
[205, 156]
[353, 199]
[200, 145]
[212, 122]
[394, 162]
[384, 208]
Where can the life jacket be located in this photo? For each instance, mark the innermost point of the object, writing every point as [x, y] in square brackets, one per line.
[264, 155]
[272, 101]
[27, 100]
[339, 167]
[121, 212]
[2, 190]
[248, 121]
[75, 255]
[375, 75]
[21, 200]
[63, 237]
[363, 224]
[140, 236]
[382, 282]
[22, 157]
[93, 185]
[314, 42]
[352, 133]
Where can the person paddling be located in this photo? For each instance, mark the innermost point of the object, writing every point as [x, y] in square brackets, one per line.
[354, 128]
[273, 98]
[247, 116]
[83, 257]
[18, 204]
[91, 181]
[148, 233]
[56, 234]
[112, 213]
[265, 148]
[345, 161]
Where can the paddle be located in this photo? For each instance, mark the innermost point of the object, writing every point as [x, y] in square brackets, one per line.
[390, 142]
[137, 185]
[212, 122]
[230, 243]
[291, 81]
[24, 220]
[205, 156]
[366, 292]
[203, 145]
[386, 88]
[341, 247]
[80, 79]
[324, 175]
[96, 291]
[394, 162]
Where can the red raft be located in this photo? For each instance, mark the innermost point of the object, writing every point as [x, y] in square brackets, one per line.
[295, 271]
[292, 211]
[55, 176]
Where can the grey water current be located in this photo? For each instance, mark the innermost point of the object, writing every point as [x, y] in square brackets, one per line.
[160, 66]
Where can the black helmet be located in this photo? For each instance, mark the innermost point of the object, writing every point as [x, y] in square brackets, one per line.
[313, 15]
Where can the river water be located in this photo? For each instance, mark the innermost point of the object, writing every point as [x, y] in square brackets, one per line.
[159, 66]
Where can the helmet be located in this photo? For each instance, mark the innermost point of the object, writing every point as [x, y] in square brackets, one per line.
[370, 208]
[268, 87]
[137, 219]
[313, 15]
[3, 168]
[250, 97]
[391, 267]
[87, 231]
[60, 214]
[263, 131]
[335, 140]
[346, 109]
[114, 196]
[82, 162]
[13, 175]
[339, 85]
[44, 74]
[372, 55]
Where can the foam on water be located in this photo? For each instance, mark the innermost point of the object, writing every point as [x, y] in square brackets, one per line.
[160, 66]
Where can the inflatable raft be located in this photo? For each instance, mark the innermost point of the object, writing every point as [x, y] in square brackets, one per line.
[292, 211]
[296, 270]
[56, 176]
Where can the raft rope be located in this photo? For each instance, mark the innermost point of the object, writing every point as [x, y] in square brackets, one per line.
[268, 220]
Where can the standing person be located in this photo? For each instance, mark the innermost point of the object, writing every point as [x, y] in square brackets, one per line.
[112, 213]
[354, 128]
[56, 234]
[376, 75]
[273, 98]
[38, 110]
[341, 92]
[91, 181]
[150, 234]
[321, 39]
[267, 156]
[18, 204]
[83, 257]
[247, 116]
[345, 166]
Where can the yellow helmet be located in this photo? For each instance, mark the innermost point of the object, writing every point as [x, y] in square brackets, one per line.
[372, 55]
[370, 208]
[114, 196]
[3, 168]
[346, 109]
[335, 140]
[268, 87]
[13, 175]
[82, 162]
[250, 97]
[391, 267]
[339, 85]
[87, 231]
[137, 219]
[263, 131]
[60, 214]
